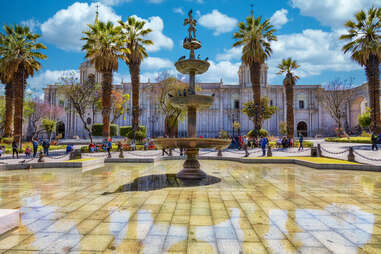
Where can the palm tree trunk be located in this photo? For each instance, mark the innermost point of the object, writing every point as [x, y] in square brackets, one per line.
[19, 104]
[135, 80]
[372, 73]
[106, 102]
[9, 104]
[255, 78]
[290, 108]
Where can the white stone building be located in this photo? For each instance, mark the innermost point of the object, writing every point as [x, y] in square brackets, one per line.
[310, 117]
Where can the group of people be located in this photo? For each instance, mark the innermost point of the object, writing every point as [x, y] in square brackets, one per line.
[28, 150]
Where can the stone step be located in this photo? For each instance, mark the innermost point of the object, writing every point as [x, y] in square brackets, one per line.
[9, 219]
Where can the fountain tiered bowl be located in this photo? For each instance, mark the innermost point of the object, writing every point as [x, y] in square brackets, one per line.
[197, 101]
[197, 66]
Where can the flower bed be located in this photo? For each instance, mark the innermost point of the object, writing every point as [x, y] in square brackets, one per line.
[361, 140]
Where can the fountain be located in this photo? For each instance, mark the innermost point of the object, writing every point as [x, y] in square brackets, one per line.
[192, 101]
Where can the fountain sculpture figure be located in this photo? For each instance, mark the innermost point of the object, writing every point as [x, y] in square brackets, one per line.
[192, 101]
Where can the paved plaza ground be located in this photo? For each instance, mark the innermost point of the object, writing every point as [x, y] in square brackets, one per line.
[254, 209]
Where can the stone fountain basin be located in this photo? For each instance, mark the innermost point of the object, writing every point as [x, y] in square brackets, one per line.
[197, 101]
[189, 143]
[189, 66]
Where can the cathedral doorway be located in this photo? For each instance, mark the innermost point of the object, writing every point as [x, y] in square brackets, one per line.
[301, 128]
[60, 129]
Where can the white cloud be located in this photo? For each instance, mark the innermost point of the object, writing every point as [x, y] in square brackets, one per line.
[219, 22]
[33, 24]
[315, 50]
[48, 77]
[230, 54]
[160, 41]
[221, 70]
[332, 13]
[279, 18]
[65, 28]
[118, 2]
[179, 10]
[156, 63]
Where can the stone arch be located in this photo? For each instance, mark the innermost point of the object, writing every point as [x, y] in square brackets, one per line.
[60, 129]
[358, 106]
[301, 128]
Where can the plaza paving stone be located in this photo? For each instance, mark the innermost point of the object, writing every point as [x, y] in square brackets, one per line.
[254, 209]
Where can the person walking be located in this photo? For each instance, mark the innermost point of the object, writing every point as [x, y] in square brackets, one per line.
[374, 138]
[300, 142]
[35, 147]
[109, 147]
[263, 143]
[245, 145]
[46, 145]
[14, 149]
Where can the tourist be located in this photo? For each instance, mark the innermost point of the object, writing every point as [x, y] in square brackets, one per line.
[45, 146]
[28, 152]
[69, 148]
[300, 142]
[14, 149]
[263, 142]
[92, 148]
[104, 145]
[1, 150]
[145, 145]
[133, 145]
[245, 145]
[109, 147]
[35, 147]
[374, 138]
[120, 146]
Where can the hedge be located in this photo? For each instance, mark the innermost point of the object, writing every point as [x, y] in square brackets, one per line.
[262, 132]
[140, 134]
[361, 140]
[85, 149]
[296, 144]
[97, 129]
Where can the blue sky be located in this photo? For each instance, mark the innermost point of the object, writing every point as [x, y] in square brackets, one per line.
[307, 30]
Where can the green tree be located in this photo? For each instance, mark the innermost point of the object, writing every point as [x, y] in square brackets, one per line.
[169, 86]
[255, 36]
[103, 49]
[19, 52]
[364, 45]
[49, 126]
[134, 33]
[265, 112]
[288, 66]
[365, 119]
[9, 103]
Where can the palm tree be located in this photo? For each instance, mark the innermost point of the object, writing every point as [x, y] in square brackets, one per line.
[9, 104]
[19, 51]
[103, 49]
[364, 36]
[255, 37]
[287, 66]
[134, 33]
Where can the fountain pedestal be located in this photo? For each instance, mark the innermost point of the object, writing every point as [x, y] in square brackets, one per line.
[191, 166]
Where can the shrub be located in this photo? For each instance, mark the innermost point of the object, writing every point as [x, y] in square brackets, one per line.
[224, 134]
[7, 140]
[283, 128]
[364, 119]
[261, 132]
[97, 128]
[365, 134]
[140, 134]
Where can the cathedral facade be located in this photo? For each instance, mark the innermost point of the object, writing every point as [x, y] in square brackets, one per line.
[311, 119]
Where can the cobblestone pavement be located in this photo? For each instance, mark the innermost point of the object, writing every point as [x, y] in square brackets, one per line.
[253, 209]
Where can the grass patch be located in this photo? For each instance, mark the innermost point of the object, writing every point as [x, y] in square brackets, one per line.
[360, 140]
[81, 160]
[317, 160]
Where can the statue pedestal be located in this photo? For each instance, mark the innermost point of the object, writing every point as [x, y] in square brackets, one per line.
[191, 166]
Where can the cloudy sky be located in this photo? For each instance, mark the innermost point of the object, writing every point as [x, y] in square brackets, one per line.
[307, 30]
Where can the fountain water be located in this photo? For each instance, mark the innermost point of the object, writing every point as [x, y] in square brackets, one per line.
[192, 101]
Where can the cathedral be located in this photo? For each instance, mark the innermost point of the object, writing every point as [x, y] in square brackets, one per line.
[311, 119]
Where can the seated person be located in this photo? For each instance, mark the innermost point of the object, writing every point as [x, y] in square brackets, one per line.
[92, 148]
[279, 143]
[69, 148]
[133, 145]
[28, 151]
[145, 144]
